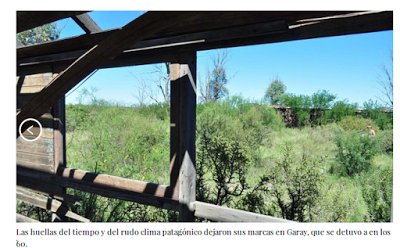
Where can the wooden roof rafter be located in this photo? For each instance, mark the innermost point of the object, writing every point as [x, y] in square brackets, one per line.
[157, 50]
[195, 22]
[32, 19]
[86, 23]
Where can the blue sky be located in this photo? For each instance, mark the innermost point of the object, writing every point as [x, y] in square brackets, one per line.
[346, 66]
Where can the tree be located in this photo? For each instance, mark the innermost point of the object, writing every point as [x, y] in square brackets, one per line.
[275, 91]
[299, 108]
[47, 32]
[386, 83]
[322, 99]
[161, 80]
[216, 80]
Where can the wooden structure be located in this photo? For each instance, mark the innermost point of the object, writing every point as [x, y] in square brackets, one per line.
[46, 72]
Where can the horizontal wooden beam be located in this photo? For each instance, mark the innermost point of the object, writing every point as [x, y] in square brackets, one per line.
[246, 31]
[47, 203]
[32, 19]
[140, 54]
[194, 22]
[105, 185]
[23, 218]
[224, 214]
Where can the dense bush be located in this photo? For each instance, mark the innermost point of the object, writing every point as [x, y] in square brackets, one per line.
[228, 134]
[354, 152]
[385, 141]
[294, 185]
[377, 190]
[300, 108]
[339, 110]
[355, 123]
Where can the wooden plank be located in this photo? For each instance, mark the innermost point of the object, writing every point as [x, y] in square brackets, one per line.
[76, 43]
[224, 214]
[41, 79]
[47, 203]
[183, 131]
[24, 219]
[105, 185]
[86, 23]
[40, 146]
[44, 189]
[137, 30]
[47, 133]
[36, 161]
[31, 19]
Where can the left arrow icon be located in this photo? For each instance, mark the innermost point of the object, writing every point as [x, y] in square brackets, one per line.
[30, 130]
[33, 129]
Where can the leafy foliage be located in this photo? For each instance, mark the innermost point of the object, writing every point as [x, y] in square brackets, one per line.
[47, 32]
[275, 91]
[295, 185]
[354, 152]
[356, 123]
[373, 110]
[377, 190]
[339, 110]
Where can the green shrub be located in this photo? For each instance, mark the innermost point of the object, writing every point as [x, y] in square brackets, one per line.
[377, 190]
[385, 141]
[357, 123]
[300, 108]
[294, 185]
[339, 110]
[354, 151]
[382, 116]
[341, 201]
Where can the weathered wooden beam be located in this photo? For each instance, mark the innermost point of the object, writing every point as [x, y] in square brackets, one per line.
[23, 218]
[86, 23]
[47, 203]
[140, 54]
[363, 22]
[139, 29]
[105, 185]
[44, 189]
[224, 214]
[183, 132]
[244, 31]
[85, 41]
[193, 22]
[32, 19]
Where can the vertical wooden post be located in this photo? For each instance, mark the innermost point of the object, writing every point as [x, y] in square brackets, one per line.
[183, 132]
[59, 151]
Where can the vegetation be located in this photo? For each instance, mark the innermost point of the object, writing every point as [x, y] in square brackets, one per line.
[47, 32]
[275, 91]
[330, 172]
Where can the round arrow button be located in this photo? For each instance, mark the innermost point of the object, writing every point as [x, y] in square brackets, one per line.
[30, 129]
